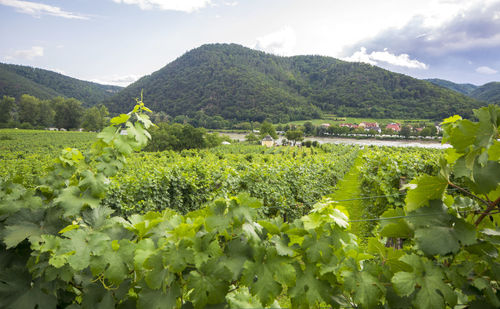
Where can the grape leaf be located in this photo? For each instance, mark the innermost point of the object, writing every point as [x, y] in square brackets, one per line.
[156, 299]
[427, 279]
[14, 234]
[427, 188]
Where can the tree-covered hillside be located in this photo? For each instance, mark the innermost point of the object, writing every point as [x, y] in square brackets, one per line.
[16, 80]
[240, 83]
[489, 92]
[462, 88]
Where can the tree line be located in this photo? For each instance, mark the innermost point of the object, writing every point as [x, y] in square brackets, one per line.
[29, 112]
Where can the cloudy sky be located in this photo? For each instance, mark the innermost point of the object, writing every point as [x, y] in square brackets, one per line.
[118, 41]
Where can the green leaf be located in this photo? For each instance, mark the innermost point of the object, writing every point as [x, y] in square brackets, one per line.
[72, 201]
[366, 288]
[427, 188]
[434, 220]
[123, 118]
[14, 234]
[34, 298]
[281, 244]
[494, 151]
[451, 119]
[308, 291]
[107, 134]
[156, 299]
[404, 283]
[69, 228]
[427, 280]
[487, 177]
[397, 227]
[262, 274]
[206, 288]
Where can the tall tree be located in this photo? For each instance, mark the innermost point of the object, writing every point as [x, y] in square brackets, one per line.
[29, 109]
[295, 136]
[6, 107]
[68, 112]
[267, 128]
[94, 118]
[47, 113]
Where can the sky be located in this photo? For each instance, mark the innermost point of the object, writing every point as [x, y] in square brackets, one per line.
[118, 41]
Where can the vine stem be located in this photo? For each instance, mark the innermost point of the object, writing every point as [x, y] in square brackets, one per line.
[468, 193]
[491, 206]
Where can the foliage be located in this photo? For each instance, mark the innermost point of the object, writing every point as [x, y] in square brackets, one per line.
[16, 80]
[267, 128]
[383, 174]
[25, 155]
[235, 82]
[489, 92]
[462, 88]
[62, 247]
[288, 181]
[179, 137]
[95, 118]
[6, 106]
[294, 135]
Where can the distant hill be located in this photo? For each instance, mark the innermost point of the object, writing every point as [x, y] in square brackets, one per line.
[489, 92]
[462, 88]
[239, 83]
[16, 80]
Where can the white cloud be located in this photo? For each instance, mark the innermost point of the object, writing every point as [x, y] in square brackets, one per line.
[37, 9]
[280, 42]
[486, 70]
[171, 5]
[27, 54]
[233, 3]
[402, 60]
[117, 80]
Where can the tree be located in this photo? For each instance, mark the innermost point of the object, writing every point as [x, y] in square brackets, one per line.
[68, 112]
[29, 109]
[267, 128]
[308, 128]
[94, 118]
[6, 107]
[252, 138]
[47, 114]
[295, 136]
[405, 131]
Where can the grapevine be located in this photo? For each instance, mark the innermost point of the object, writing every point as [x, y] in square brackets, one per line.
[62, 247]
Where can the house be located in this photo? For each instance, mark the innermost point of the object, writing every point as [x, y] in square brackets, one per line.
[396, 127]
[268, 141]
[367, 126]
[226, 143]
[52, 129]
[325, 125]
[348, 125]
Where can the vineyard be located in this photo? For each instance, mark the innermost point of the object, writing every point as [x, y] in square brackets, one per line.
[241, 226]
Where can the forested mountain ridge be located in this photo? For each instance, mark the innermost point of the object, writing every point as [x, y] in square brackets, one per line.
[489, 92]
[236, 82]
[16, 80]
[466, 89]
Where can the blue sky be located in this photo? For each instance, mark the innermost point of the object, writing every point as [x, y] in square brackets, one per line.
[118, 41]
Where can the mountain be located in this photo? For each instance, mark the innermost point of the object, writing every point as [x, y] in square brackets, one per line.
[489, 92]
[239, 83]
[466, 89]
[16, 80]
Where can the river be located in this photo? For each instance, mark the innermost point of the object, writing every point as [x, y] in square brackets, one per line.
[361, 142]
